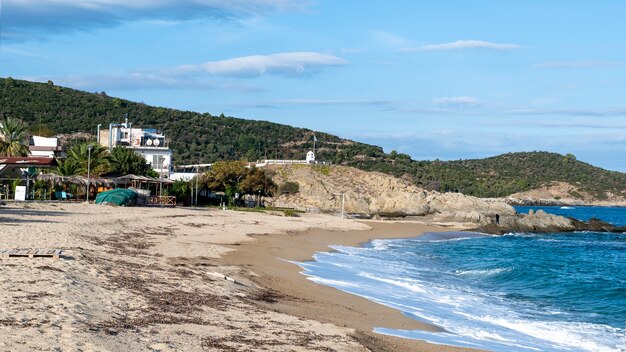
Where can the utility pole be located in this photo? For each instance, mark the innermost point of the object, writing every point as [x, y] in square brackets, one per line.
[343, 203]
[197, 177]
[89, 148]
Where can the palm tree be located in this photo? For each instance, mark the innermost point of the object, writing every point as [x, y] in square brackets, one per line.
[78, 154]
[126, 161]
[13, 136]
[66, 167]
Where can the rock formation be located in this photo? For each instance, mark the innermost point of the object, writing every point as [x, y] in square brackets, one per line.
[377, 194]
[374, 194]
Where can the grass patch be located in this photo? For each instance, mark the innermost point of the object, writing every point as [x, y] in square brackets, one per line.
[322, 169]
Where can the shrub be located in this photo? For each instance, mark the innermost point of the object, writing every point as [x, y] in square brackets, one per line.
[289, 188]
[290, 212]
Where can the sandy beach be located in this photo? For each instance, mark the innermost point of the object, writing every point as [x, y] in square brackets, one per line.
[176, 279]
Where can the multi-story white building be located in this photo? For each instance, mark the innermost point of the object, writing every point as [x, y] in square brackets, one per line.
[147, 142]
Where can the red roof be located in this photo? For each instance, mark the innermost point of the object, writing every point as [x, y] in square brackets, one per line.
[28, 161]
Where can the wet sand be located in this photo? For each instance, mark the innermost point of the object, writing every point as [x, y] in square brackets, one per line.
[267, 260]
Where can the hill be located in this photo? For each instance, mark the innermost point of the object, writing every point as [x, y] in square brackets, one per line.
[507, 174]
[195, 137]
[202, 138]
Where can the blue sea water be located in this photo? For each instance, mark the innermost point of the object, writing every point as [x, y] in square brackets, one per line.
[518, 292]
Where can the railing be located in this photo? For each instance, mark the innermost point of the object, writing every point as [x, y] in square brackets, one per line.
[161, 200]
[280, 162]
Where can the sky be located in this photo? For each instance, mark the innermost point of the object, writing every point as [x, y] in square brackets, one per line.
[433, 79]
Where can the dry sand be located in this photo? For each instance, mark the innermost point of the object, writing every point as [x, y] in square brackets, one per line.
[151, 279]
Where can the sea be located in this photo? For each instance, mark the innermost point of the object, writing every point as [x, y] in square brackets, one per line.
[516, 292]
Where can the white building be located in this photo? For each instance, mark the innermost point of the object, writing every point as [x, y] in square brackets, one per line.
[188, 172]
[147, 142]
[310, 159]
[44, 147]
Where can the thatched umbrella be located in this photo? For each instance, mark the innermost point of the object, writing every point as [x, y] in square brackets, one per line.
[54, 179]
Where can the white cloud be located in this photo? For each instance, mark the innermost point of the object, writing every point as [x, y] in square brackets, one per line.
[42, 17]
[136, 80]
[288, 64]
[569, 112]
[577, 64]
[391, 39]
[457, 102]
[463, 44]
[576, 122]
[204, 75]
[334, 102]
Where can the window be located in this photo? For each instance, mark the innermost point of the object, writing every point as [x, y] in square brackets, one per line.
[158, 161]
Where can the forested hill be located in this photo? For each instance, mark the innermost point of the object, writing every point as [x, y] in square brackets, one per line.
[203, 138]
[194, 137]
[506, 174]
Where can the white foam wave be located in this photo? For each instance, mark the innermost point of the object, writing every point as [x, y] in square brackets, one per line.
[380, 245]
[408, 285]
[576, 335]
[472, 318]
[482, 272]
[329, 282]
[449, 239]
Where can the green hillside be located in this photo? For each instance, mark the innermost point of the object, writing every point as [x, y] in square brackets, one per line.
[203, 138]
[505, 174]
[195, 137]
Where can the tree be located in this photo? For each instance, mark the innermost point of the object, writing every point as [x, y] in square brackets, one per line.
[225, 176]
[40, 129]
[233, 177]
[182, 190]
[79, 154]
[67, 167]
[126, 161]
[257, 181]
[13, 138]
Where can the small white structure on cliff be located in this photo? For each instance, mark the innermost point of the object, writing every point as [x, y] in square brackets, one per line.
[310, 159]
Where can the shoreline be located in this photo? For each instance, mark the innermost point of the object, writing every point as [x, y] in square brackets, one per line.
[267, 260]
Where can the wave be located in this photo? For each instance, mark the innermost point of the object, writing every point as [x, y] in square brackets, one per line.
[406, 283]
[441, 282]
[482, 272]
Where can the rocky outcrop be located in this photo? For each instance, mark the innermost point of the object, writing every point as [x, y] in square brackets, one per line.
[561, 194]
[538, 221]
[374, 194]
[541, 222]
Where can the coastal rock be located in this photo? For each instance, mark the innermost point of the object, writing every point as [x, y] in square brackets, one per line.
[534, 221]
[461, 216]
[374, 194]
[378, 195]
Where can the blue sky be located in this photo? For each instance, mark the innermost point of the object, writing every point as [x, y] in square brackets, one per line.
[433, 79]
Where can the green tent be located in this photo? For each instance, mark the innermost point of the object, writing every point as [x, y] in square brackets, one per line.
[118, 196]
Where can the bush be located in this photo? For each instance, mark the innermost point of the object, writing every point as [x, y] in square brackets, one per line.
[290, 212]
[289, 188]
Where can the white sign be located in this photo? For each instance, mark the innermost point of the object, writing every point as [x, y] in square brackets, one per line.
[20, 193]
